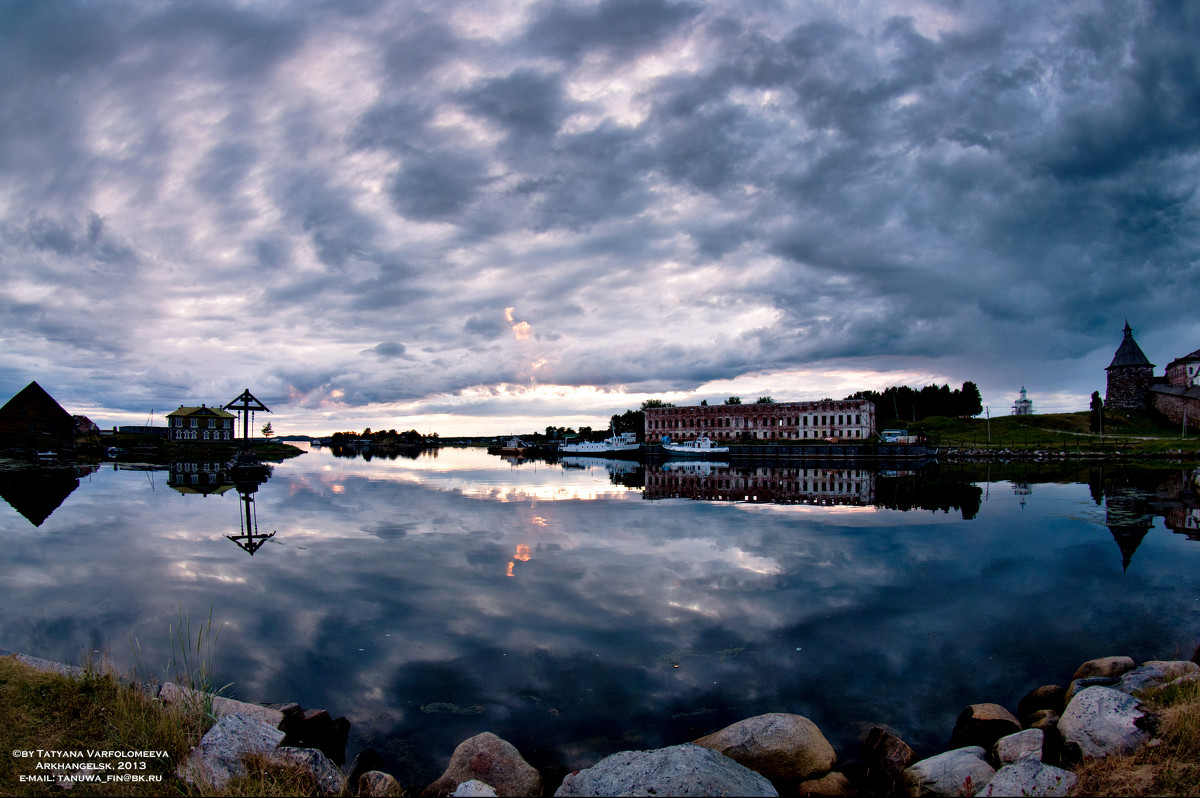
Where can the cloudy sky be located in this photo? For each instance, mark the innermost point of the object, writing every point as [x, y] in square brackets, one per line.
[483, 217]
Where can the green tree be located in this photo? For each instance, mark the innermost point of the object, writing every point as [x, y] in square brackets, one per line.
[649, 403]
[764, 400]
[267, 431]
[970, 402]
[733, 400]
[630, 421]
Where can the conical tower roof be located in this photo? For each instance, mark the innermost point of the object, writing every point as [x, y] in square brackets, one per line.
[1129, 353]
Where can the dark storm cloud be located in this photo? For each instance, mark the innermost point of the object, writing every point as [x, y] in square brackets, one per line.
[388, 350]
[438, 186]
[620, 27]
[526, 104]
[664, 193]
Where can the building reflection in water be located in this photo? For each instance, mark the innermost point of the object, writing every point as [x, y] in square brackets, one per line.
[199, 477]
[1133, 499]
[206, 478]
[842, 486]
[35, 493]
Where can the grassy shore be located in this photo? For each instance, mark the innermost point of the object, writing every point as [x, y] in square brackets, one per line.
[45, 718]
[1170, 767]
[49, 712]
[1125, 433]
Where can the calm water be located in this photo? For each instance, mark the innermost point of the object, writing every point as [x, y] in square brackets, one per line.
[577, 610]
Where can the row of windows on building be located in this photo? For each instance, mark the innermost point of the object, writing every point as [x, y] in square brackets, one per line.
[751, 422]
[205, 466]
[198, 435]
[212, 423]
[801, 434]
[801, 486]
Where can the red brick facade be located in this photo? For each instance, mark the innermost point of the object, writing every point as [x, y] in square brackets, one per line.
[844, 421]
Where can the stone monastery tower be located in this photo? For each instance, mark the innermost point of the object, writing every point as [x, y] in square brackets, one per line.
[1130, 375]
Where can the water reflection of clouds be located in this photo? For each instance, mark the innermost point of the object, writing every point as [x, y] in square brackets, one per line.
[473, 474]
[392, 601]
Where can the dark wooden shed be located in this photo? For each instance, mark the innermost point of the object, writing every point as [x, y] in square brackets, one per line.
[33, 420]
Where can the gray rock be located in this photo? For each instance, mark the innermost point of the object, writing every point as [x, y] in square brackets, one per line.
[681, 770]
[1030, 777]
[327, 776]
[218, 758]
[778, 745]
[1015, 747]
[1092, 681]
[1103, 721]
[1155, 673]
[962, 771]
[493, 761]
[171, 693]
[1104, 666]
[377, 784]
[48, 666]
[474, 789]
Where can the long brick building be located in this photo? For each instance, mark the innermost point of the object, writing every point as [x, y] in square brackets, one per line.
[842, 421]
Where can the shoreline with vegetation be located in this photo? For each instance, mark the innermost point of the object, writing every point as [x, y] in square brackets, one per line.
[52, 715]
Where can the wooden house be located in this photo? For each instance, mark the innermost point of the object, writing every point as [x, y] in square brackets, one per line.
[200, 424]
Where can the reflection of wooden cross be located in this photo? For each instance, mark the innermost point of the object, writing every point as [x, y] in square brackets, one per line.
[250, 541]
[246, 404]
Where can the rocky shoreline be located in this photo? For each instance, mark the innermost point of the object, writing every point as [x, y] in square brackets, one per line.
[993, 751]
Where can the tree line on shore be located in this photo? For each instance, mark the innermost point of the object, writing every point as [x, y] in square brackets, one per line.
[382, 437]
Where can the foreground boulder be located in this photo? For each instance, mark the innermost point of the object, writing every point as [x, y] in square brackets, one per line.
[831, 785]
[1104, 666]
[1030, 777]
[885, 757]
[326, 775]
[1048, 696]
[1015, 747]
[316, 728]
[1156, 673]
[682, 770]
[1101, 721]
[954, 773]
[1077, 685]
[219, 757]
[495, 762]
[377, 784]
[983, 725]
[778, 745]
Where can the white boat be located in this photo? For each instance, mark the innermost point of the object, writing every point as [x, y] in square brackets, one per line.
[625, 442]
[700, 447]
